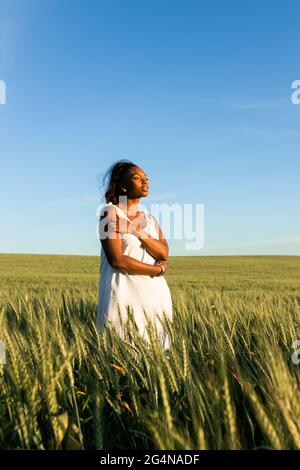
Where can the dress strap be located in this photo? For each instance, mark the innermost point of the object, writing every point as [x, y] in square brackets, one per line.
[123, 213]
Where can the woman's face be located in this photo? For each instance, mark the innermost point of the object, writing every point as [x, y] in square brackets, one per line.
[136, 183]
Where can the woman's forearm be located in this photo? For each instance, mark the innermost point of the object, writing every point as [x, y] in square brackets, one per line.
[130, 265]
[157, 248]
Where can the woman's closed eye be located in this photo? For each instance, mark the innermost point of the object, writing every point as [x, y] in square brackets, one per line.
[138, 177]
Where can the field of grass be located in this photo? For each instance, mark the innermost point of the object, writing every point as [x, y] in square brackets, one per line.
[229, 383]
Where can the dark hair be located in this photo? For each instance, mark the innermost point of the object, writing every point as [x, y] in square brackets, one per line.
[113, 179]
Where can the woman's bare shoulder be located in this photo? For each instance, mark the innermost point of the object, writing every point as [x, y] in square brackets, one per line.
[108, 210]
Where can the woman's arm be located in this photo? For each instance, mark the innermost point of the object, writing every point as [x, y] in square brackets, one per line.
[112, 246]
[130, 265]
[159, 249]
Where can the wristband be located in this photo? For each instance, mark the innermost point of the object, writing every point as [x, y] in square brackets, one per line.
[162, 269]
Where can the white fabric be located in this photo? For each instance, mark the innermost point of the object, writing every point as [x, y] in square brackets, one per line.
[138, 291]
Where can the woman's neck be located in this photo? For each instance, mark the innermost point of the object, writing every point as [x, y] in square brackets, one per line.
[131, 208]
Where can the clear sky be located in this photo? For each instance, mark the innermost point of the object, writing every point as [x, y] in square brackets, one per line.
[197, 93]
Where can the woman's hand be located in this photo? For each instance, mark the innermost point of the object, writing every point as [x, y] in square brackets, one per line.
[124, 226]
[157, 262]
[162, 263]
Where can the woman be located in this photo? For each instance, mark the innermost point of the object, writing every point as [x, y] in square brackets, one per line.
[133, 255]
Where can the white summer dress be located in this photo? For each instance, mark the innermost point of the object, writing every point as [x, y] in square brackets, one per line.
[139, 292]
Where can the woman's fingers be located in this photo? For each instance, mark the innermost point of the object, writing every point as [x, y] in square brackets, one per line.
[118, 227]
[163, 264]
[112, 225]
[123, 226]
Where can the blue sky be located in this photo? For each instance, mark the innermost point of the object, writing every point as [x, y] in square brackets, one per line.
[196, 93]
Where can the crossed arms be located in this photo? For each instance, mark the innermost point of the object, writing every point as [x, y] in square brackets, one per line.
[112, 246]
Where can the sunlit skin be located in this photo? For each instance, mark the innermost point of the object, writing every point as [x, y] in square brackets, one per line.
[136, 185]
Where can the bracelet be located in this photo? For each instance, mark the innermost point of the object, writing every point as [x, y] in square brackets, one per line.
[162, 269]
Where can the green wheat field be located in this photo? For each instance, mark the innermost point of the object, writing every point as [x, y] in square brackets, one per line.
[229, 381]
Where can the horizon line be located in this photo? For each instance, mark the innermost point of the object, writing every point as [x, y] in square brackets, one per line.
[170, 256]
